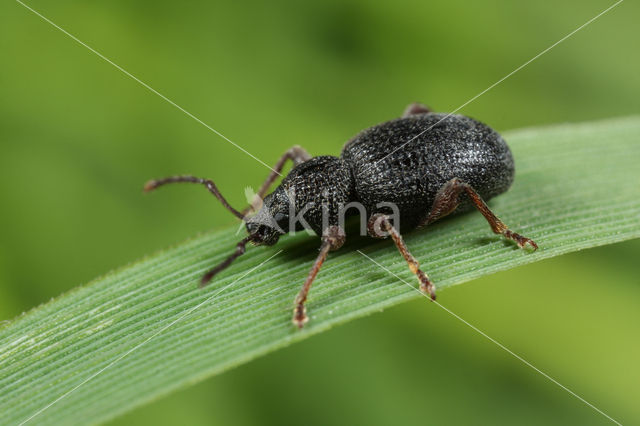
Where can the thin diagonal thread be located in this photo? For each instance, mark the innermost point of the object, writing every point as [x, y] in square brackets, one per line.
[500, 345]
[145, 85]
[186, 313]
[500, 81]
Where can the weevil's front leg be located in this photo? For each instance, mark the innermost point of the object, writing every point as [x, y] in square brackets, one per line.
[379, 226]
[332, 239]
[447, 201]
[297, 154]
[415, 108]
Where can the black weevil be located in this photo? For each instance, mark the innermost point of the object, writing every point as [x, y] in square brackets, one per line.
[424, 164]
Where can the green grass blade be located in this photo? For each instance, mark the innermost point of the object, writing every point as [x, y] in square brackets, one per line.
[577, 186]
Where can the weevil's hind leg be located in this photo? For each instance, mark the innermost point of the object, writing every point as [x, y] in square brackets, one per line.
[415, 108]
[297, 154]
[379, 226]
[447, 201]
[332, 239]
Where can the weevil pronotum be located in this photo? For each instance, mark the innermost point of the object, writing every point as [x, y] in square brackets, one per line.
[403, 174]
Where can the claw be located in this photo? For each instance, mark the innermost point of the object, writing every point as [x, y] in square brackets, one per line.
[520, 240]
[426, 286]
[300, 317]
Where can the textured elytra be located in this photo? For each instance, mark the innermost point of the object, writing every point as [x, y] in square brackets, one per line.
[407, 160]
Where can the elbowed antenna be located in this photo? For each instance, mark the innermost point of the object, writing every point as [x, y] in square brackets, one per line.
[208, 183]
[240, 249]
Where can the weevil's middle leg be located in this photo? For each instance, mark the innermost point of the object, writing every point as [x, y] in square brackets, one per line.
[378, 225]
[447, 201]
[332, 239]
[297, 154]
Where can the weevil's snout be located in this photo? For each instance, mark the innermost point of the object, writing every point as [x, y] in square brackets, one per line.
[269, 223]
[262, 234]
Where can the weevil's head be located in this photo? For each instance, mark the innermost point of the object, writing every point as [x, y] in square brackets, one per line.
[272, 219]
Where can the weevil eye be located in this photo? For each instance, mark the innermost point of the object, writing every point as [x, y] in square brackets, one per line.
[262, 234]
[252, 228]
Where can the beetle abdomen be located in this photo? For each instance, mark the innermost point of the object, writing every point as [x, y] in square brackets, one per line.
[407, 160]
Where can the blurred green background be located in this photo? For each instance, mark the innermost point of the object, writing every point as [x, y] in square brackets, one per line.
[78, 140]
